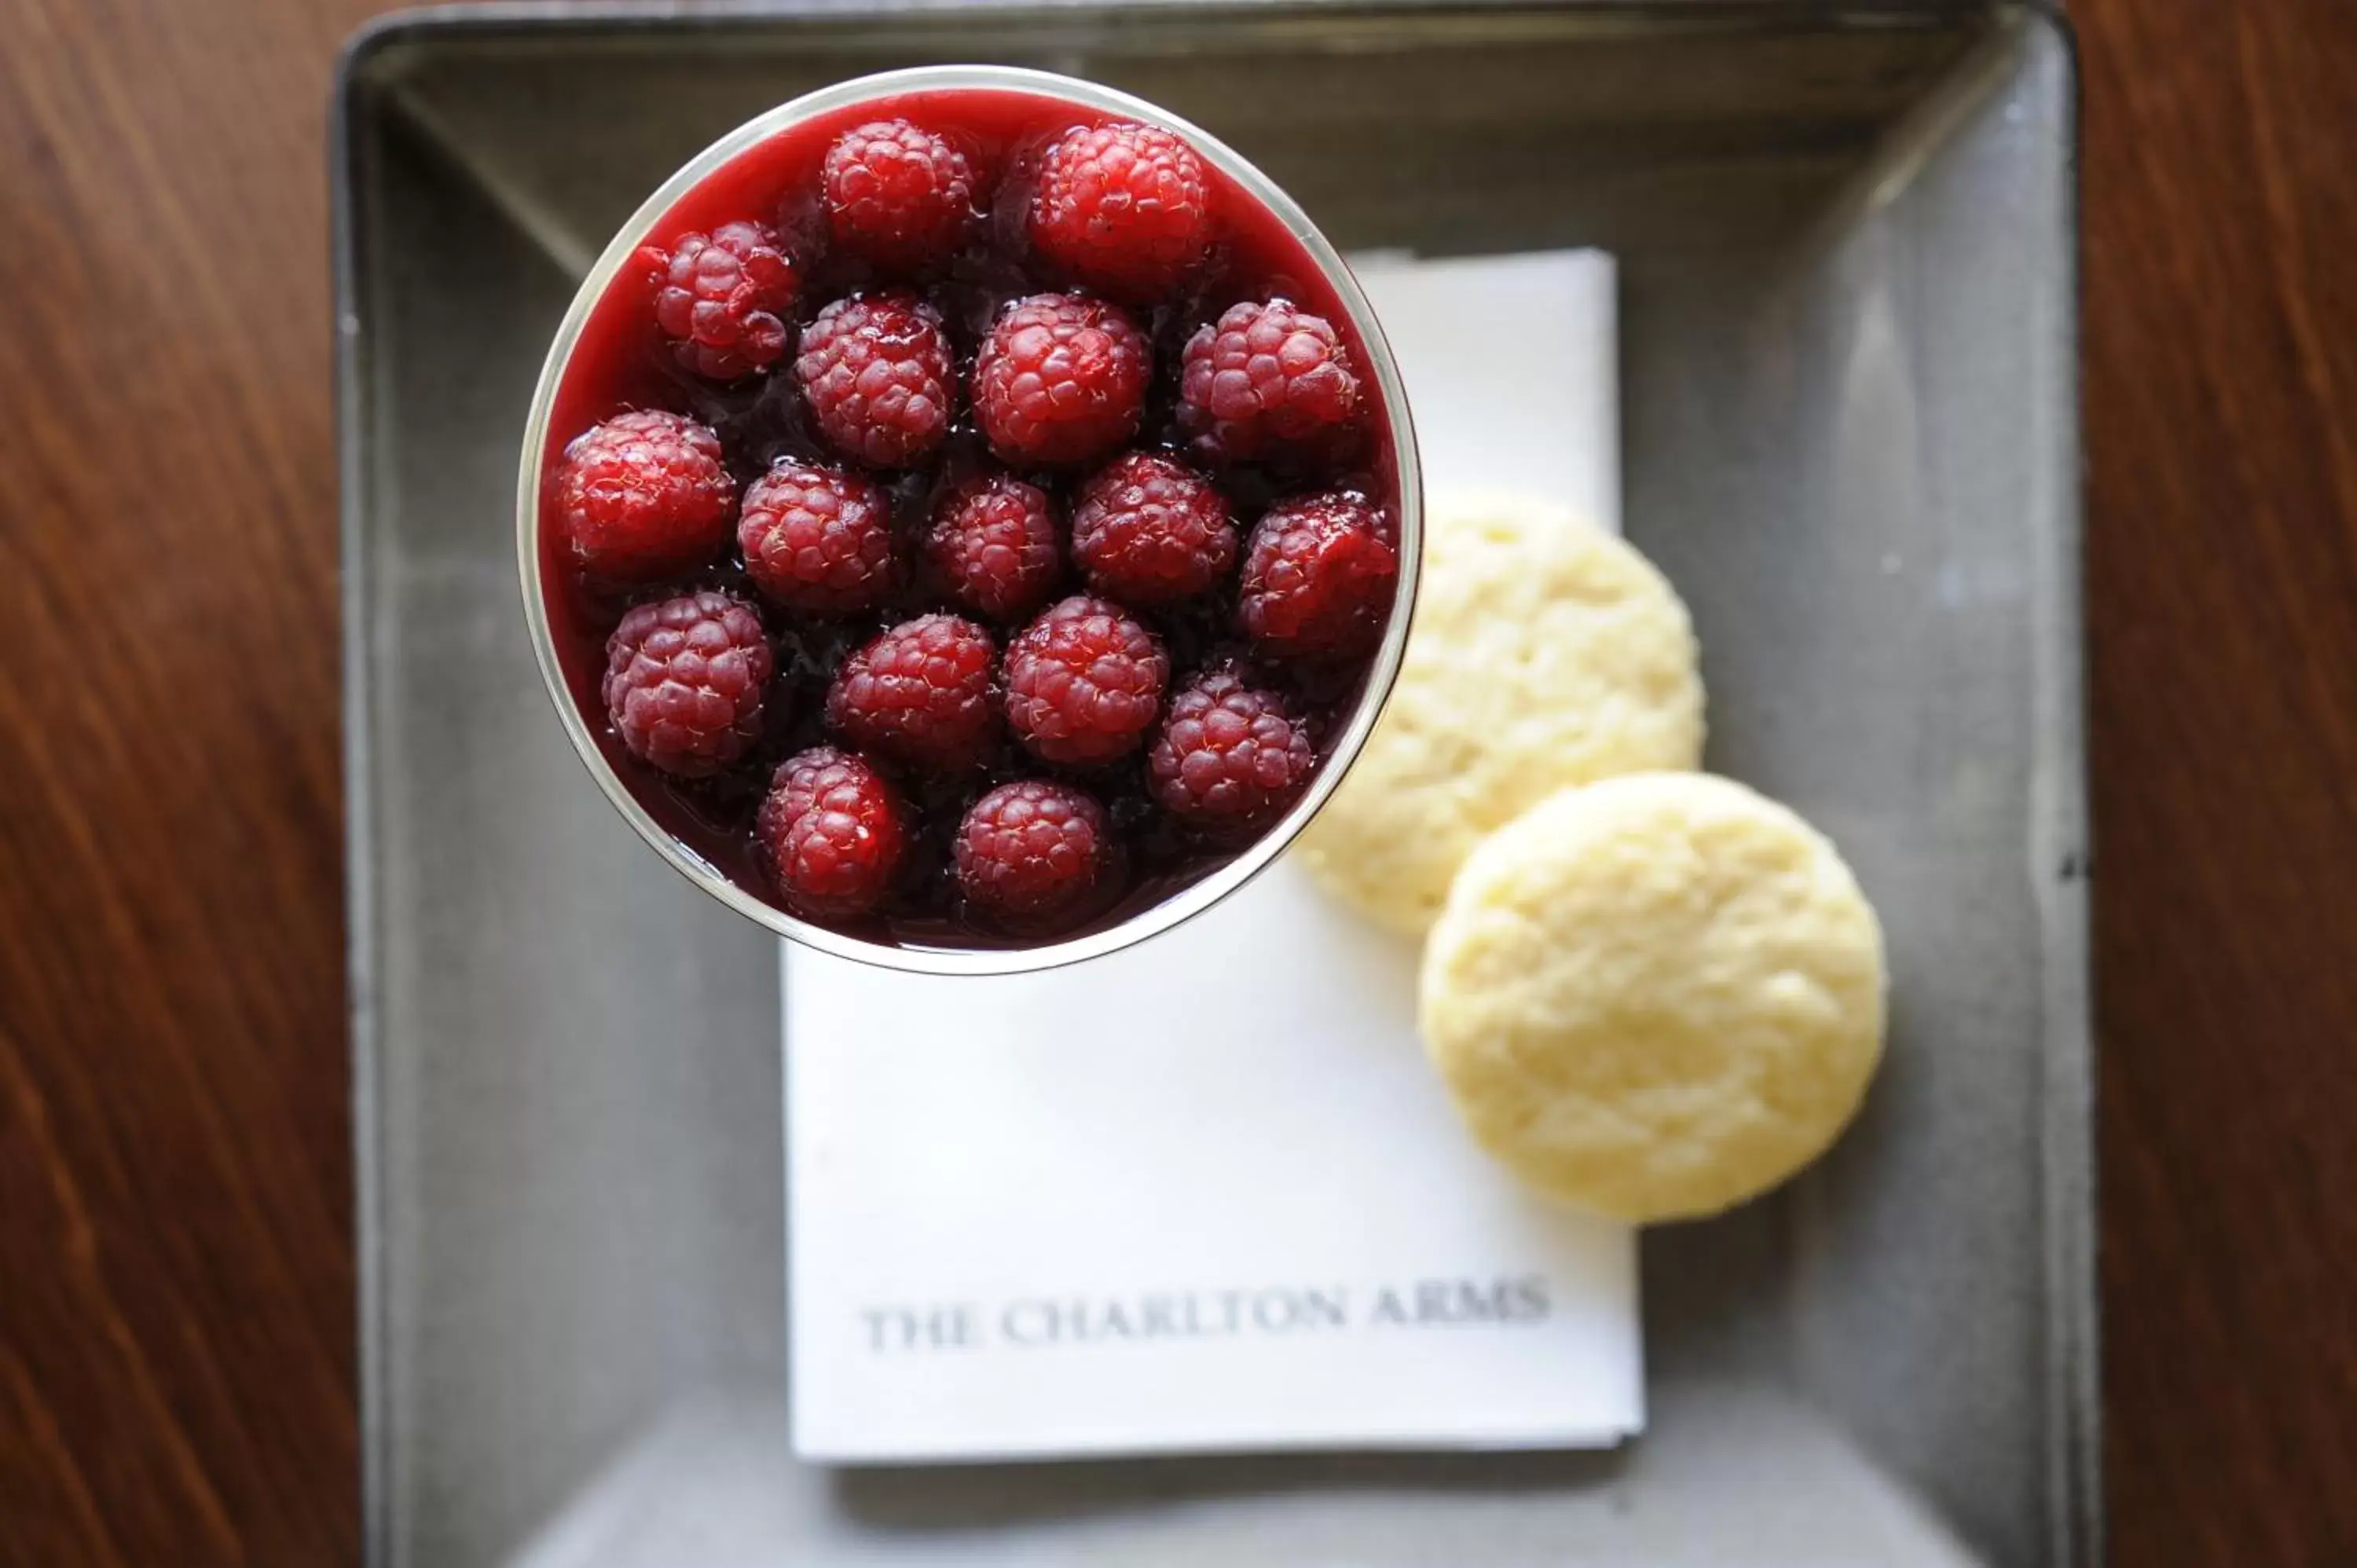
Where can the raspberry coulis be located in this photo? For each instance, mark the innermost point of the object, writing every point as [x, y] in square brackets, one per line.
[622, 362]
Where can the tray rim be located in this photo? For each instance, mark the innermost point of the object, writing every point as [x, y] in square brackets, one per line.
[2077, 1505]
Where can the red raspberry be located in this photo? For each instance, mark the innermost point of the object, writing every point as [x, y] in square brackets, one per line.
[1031, 849]
[1147, 530]
[643, 496]
[818, 539]
[724, 298]
[1318, 575]
[920, 693]
[685, 679]
[1083, 682]
[1060, 381]
[898, 196]
[876, 370]
[1269, 380]
[832, 833]
[1231, 757]
[994, 546]
[1123, 207]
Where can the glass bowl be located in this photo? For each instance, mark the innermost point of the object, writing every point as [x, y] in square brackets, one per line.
[1184, 902]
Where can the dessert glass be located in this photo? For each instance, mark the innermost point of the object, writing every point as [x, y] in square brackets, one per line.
[570, 686]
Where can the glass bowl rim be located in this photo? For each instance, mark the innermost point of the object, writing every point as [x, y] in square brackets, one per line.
[1383, 670]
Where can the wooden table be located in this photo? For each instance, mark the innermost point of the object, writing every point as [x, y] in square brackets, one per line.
[176, 1262]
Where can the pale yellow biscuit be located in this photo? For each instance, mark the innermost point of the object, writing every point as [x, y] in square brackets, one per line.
[1545, 652]
[1655, 996]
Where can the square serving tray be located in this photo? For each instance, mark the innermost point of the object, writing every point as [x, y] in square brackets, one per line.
[1846, 237]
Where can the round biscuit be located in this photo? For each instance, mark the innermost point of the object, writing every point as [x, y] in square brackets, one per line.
[1545, 652]
[1655, 996]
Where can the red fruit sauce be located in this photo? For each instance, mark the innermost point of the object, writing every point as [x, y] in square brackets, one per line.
[620, 362]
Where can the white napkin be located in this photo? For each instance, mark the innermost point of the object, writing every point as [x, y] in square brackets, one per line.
[1206, 1194]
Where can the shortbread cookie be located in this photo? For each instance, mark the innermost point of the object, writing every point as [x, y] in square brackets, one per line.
[1655, 996]
[1545, 652]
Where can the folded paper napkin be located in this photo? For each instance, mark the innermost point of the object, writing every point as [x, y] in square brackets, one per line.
[1205, 1194]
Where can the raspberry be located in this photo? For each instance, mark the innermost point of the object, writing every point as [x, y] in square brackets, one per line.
[1318, 575]
[876, 372]
[1123, 207]
[685, 679]
[896, 195]
[832, 833]
[1060, 381]
[1031, 849]
[994, 546]
[1083, 682]
[818, 539]
[1269, 380]
[1147, 530]
[643, 496]
[920, 693]
[1230, 756]
[724, 298]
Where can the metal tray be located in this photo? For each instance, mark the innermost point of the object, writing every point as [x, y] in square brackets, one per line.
[1847, 241]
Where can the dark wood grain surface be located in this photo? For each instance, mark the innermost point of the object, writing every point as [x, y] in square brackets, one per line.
[2221, 407]
[176, 1353]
